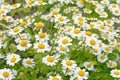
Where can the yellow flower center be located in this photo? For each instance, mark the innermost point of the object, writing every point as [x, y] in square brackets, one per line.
[116, 11]
[89, 65]
[30, 2]
[76, 78]
[102, 57]
[107, 48]
[23, 43]
[2, 11]
[102, 27]
[55, 78]
[61, 19]
[16, 29]
[95, 50]
[42, 35]
[92, 42]
[99, 9]
[5, 74]
[80, 22]
[54, 12]
[64, 41]
[81, 1]
[13, 59]
[62, 48]
[40, 2]
[14, 5]
[88, 33]
[76, 31]
[108, 21]
[39, 25]
[69, 29]
[68, 70]
[50, 59]
[23, 23]
[80, 19]
[1, 34]
[117, 73]
[91, 25]
[41, 46]
[28, 62]
[81, 73]
[69, 63]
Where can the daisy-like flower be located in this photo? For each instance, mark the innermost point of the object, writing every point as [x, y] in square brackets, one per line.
[23, 45]
[15, 31]
[112, 64]
[38, 25]
[102, 58]
[61, 19]
[81, 73]
[40, 2]
[115, 73]
[64, 41]
[67, 71]
[55, 11]
[6, 74]
[89, 65]
[68, 63]
[105, 2]
[29, 3]
[50, 60]
[103, 15]
[116, 12]
[62, 49]
[80, 3]
[99, 9]
[107, 49]
[14, 6]
[96, 50]
[28, 62]
[76, 33]
[12, 59]
[92, 41]
[42, 47]
[42, 36]
[57, 77]
[87, 11]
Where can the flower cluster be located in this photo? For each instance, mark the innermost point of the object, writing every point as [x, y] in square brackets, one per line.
[60, 40]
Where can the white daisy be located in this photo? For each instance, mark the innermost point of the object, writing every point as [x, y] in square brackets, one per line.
[42, 47]
[28, 62]
[23, 45]
[6, 74]
[50, 60]
[12, 59]
[115, 73]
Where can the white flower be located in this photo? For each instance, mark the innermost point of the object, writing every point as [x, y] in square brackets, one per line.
[115, 73]
[89, 65]
[42, 47]
[61, 19]
[12, 59]
[64, 41]
[81, 73]
[102, 58]
[57, 77]
[111, 64]
[50, 60]
[68, 63]
[6, 74]
[28, 62]
[23, 45]
[41, 36]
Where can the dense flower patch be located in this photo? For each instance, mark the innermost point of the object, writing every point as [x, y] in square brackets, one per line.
[60, 40]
